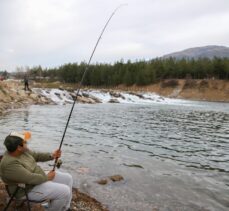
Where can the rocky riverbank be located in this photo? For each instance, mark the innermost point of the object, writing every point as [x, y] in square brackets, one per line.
[80, 202]
[13, 96]
[211, 90]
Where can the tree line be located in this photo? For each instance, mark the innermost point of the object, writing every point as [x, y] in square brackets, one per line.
[138, 72]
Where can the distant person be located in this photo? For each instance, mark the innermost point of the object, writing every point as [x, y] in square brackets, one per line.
[19, 165]
[26, 83]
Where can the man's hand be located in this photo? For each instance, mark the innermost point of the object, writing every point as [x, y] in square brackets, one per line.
[56, 154]
[51, 175]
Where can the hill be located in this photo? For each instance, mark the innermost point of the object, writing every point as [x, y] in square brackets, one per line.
[210, 52]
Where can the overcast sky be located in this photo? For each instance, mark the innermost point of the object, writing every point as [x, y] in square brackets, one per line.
[54, 32]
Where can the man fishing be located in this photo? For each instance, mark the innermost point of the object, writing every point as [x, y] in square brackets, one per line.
[19, 165]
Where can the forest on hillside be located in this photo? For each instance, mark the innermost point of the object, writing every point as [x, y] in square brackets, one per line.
[138, 72]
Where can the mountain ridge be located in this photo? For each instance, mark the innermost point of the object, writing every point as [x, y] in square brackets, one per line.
[209, 51]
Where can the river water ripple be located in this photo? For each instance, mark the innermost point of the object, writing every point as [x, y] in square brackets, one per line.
[173, 157]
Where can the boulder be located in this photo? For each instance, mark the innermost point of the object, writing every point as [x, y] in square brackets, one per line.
[116, 178]
[34, 96]
[113, 100]
[137, 94]
[85, 100]
[96, 100]
[116, 95]
[102, 181]
[22, 93]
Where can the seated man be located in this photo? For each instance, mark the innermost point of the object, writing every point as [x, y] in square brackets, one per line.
[19, 165]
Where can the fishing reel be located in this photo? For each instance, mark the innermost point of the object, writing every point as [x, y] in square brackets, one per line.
[58, 163]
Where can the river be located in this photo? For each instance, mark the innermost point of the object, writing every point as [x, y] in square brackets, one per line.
[172, 156]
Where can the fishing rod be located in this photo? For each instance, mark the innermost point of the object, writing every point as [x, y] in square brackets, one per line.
[82, 79]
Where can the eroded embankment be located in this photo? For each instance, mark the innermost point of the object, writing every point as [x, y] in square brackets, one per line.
[13, 96]
[203, 90]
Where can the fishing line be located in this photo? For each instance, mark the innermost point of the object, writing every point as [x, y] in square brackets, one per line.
[82, 79]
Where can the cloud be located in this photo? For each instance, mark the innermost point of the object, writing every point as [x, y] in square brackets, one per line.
[54, 32]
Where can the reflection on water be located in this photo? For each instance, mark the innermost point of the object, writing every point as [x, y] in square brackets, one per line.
[26, 116]
[173, 157]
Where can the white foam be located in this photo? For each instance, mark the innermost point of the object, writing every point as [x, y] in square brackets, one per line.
[56, 95]
[63, 97]
[104, 97]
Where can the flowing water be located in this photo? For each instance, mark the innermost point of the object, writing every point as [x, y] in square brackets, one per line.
[172, 157]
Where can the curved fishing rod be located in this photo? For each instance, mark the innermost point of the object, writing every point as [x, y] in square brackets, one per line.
[81, 82]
